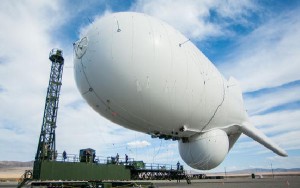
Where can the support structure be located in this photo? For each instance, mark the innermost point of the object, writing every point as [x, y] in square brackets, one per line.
[85, 171]
[46, 147]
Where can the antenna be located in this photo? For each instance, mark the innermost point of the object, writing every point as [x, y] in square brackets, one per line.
[180, 44]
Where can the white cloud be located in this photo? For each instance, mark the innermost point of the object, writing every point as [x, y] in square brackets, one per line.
[138, 144]
[278, 122]
[26, 36]
[269, 56]
[192, 17]
[83, 30]
[289, 140]
[160, 151]
[24, 71]
[260, 103]
[236, 10]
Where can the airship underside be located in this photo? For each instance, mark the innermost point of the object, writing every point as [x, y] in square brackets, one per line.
[142, 74]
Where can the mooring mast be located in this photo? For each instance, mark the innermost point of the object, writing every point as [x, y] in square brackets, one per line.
[46, 148]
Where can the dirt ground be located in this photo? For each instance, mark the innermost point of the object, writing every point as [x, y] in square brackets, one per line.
[12, 173]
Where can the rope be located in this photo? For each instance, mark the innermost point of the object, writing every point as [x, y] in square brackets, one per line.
[157, 151]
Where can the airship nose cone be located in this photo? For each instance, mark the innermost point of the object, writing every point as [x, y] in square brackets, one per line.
[80, 47]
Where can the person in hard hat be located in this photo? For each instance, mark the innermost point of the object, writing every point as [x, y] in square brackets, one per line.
[94, 157]
[117, 158]
[126, 158]
[64, 155]
[178, 165]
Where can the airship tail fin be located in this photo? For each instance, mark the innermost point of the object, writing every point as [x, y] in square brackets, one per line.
[254, 133]
[235, 92]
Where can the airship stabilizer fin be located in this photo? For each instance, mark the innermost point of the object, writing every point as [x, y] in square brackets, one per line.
[249, 130]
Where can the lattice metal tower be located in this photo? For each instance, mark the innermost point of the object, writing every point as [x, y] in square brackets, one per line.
[46, 148]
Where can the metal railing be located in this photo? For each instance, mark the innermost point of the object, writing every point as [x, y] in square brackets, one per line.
[122, 161]
[98, 159]
[156, 166]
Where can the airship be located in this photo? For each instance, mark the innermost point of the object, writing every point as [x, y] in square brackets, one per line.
[141, 73]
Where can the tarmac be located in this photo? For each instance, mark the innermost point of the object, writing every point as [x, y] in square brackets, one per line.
[277, 182]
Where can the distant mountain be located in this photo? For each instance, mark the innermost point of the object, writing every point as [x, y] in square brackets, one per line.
[13, 164]
[248, 171]
[264, 170]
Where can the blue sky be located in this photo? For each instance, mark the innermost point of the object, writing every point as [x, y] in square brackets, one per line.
[257, 42]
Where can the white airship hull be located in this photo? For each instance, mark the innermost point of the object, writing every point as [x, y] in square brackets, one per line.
[142, 74]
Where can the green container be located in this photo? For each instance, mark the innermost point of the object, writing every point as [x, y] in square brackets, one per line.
[87, 155]
[138, 164]
[53, 170]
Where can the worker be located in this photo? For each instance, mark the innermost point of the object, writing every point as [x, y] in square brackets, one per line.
[117, 158]
[88, 156]
[94, 156]
[64, 155]
[126, 158]
[55, 155]
[178, 165]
